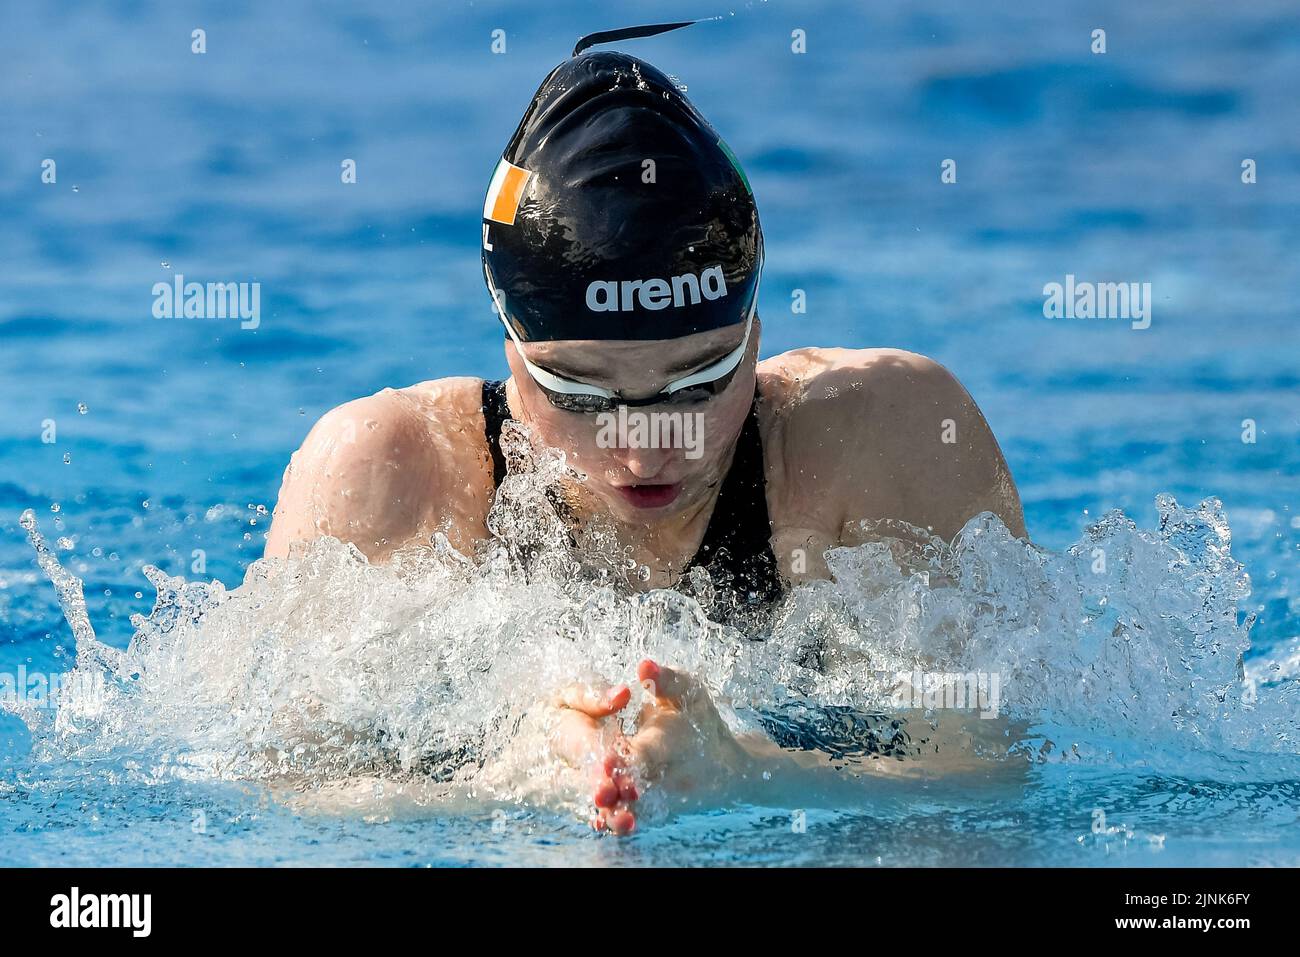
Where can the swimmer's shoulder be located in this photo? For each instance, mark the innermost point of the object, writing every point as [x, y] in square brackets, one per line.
[389, 469]
[450, 404]
[829, 423]
[436, 418]
[834, 386]
[800, 375]
[882, 433]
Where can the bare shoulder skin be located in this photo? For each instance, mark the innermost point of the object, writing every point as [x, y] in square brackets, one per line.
[848, 435]
[390, 470]
[854, 434]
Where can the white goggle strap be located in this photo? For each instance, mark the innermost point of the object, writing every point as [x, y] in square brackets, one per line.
[547, 379]
[723, 366]
[732, 359]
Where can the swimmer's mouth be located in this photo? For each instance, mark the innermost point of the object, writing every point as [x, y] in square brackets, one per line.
[650, 496]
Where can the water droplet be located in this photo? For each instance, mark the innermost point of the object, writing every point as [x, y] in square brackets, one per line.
[55, 507]
[144, 504]
[67, 458]
[76, 189]
[165, 264]
[82, 408]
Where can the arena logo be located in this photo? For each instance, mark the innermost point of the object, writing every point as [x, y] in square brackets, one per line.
[1102, 300]
[73, 910]
[651, 430]
[654, 294]
[213, 300]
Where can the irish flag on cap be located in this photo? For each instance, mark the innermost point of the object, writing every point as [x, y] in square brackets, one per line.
[504, 193]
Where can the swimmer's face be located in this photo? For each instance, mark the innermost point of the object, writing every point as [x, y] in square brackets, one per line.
[639, 482]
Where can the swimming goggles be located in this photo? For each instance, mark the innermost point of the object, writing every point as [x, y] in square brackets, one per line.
[700, 386]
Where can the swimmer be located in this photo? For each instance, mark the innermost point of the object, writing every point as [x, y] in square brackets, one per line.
[622, 248]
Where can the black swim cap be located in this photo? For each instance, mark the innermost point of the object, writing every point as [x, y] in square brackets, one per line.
[617, 212]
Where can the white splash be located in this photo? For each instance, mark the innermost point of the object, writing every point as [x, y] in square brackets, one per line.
[325, 669]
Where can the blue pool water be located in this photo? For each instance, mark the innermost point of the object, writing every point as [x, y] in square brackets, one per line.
[225, 166]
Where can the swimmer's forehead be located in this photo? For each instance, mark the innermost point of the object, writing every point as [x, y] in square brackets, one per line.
[602, 361]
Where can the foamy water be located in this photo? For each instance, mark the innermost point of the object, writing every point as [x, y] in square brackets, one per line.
[421, 684]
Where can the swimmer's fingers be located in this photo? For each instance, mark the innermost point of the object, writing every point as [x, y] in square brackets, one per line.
[670, 688]
[594, 702]
[615, 791]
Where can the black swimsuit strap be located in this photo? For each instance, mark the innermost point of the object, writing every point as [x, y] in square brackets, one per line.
[737, 541]
[495, 412]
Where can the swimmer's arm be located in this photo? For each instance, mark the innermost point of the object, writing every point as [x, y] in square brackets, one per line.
[366, 474]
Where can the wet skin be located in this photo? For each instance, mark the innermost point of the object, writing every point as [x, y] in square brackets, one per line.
[681, 742]
[848, 436]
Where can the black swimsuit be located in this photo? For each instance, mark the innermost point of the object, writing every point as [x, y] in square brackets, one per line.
[737, 548]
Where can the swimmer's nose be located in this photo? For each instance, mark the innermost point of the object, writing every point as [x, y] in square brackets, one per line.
[644, 464]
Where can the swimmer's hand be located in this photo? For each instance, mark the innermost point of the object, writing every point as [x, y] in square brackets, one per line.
[681, 744]
[586, 739]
